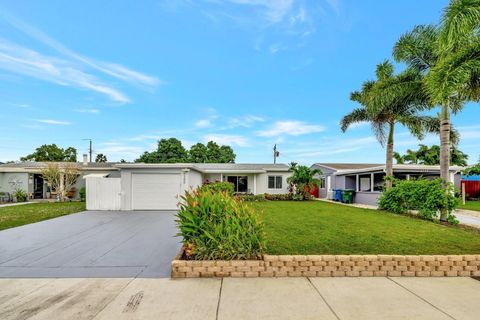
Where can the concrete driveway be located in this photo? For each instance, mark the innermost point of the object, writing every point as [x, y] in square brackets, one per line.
[91, 244]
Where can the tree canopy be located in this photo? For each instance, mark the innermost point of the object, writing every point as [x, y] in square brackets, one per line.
[101, 158]
[431, 156]
[172, 151]
[51, 152]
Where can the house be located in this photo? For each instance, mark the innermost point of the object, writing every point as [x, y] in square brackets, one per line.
[28, 176]
[157, 186]
[368, 179]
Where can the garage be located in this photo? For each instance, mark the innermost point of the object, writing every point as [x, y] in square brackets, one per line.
[155, 191]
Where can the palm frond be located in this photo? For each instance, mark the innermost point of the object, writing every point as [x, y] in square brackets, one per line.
[460, 19]
[356, 116]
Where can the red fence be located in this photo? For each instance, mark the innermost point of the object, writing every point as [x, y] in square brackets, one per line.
[472, 188]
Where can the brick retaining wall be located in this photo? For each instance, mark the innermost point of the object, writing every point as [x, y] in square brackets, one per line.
[333, 266]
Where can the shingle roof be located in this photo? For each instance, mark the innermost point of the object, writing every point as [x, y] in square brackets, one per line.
[348, 166]
[41, 165]
[241, 166]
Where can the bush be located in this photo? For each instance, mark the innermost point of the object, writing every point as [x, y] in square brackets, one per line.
[251, 197]
[279, 197]
[82, 193]
[20, 195]
[218, 187]
[426, 196]
[214, 225]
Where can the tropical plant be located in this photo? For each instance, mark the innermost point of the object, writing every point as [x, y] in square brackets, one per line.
[82, 193]
[389, 100]
[426, 196]
[216, 226]
[472, 170]
[20, 195]
[51, 152]
[61, 179]
[302, 181]
[431, 156]
[218, 187]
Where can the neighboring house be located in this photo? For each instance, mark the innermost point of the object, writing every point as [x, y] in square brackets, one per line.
[368, 179]
[28, 176]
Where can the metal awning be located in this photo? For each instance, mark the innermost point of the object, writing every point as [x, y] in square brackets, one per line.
[96, 175]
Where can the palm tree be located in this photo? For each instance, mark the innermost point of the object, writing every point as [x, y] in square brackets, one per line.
[389, 100]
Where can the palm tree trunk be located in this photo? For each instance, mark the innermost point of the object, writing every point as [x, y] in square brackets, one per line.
[445, 151]
[389, 160]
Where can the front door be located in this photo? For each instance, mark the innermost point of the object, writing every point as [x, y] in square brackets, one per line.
[37, 186]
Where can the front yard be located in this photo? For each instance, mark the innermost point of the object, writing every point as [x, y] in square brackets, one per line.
[316, 227]
[471, 205]
[15, 216]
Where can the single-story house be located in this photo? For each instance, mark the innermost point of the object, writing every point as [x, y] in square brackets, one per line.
[27, 176]
[367, 180]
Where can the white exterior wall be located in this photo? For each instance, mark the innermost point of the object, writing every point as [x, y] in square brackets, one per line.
[262, 182]
[195, 179]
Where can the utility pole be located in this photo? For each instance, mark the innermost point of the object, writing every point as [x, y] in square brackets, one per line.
[90, 151]
[276, 154]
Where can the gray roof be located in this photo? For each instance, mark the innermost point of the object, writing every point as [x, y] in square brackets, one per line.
[347, 166]
[241, 166]
[40, 165]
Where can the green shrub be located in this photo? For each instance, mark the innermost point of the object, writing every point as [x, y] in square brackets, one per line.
[426, 196]
[218, 187]
[279, 197]
[251, 197]
[20, 195]
[82, 193]
[216, 226]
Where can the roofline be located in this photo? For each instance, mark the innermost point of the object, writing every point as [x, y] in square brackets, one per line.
[401, 168]
[194, 167]
[39, 170]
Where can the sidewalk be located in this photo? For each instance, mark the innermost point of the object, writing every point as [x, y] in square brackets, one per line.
[231, 298]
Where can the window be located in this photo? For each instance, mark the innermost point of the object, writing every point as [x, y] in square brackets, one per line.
[240, 183]
[322, 183]
[365, 183]
[274, 182]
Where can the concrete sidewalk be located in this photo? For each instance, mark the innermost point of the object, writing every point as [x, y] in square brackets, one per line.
[231, 298]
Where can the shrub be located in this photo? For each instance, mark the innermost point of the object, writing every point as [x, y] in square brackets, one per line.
[82, 193]
[426, 196]
[279, 197]
[218, 187]
[214, 225]
[251, 197]
[20, 195]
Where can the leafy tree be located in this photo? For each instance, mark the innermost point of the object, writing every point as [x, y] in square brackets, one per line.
[61, 179]
[198, 153]
[51, 152]
[227, 155]
[431, 156]
[213, 152]
[472, 170]
[168, 151]
[101, 158]
[389, 100]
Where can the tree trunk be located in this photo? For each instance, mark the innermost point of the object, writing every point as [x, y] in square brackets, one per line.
[445, 151]
[389, 160]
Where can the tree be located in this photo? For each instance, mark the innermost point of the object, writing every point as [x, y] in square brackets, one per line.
[431, 156]
[389, 100]
[473, 170]
[168, 151]
[198, 153]
[51, 152]
[213, 152]
[101, 158]
[227, 155]
[303, 179]
[61, 179]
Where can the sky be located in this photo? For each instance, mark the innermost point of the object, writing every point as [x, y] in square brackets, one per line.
[246, 73]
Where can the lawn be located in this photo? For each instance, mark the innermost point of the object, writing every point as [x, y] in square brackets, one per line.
[15, 216]
[316, 227]
[471, 205]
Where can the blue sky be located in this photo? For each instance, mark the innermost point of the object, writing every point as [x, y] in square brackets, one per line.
[248, 73]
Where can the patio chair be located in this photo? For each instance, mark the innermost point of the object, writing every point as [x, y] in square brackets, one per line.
[5, 197]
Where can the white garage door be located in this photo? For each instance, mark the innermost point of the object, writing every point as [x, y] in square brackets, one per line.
[155, 191]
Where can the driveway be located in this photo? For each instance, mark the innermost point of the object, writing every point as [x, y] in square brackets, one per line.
[91, 244]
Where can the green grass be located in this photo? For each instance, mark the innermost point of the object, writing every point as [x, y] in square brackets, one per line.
[471, 205]
[15, 216]
[316, 227]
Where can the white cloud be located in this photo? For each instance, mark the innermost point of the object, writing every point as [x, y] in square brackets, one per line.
[290, 127]
[53, 122]
[203, 123]
[244, 121]
[226, 139]
[20, 60]
[88, 110]
[273, 10]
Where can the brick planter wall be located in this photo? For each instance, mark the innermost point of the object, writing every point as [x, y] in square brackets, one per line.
[333, 266]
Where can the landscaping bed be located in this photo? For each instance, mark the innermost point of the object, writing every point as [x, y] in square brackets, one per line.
[14, 216]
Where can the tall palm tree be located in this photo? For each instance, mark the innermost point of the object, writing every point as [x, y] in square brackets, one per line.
[389, 100]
